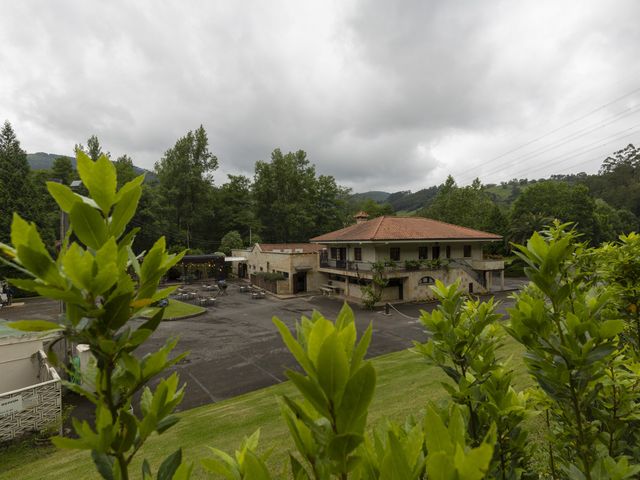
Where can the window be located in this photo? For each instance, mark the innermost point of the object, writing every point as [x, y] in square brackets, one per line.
[423, 253]
[435, 252]
[334, 253]
[448, 251]
[394, 254]
[357, 254]
[467, 251]
[427, 281]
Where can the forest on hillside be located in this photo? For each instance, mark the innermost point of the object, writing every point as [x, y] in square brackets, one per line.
[286, 200]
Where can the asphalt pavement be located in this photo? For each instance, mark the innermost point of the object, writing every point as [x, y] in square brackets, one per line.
[234, 348]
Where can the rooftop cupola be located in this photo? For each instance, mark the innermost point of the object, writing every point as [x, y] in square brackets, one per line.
[361, 217]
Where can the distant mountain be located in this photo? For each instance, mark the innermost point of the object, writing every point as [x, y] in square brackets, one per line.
[375, 195]
[410, 202]
[404, 201]
[44, 161]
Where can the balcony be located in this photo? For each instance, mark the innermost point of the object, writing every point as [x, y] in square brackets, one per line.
[487, 264]
[344, 265]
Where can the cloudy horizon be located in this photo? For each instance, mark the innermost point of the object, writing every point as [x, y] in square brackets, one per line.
[381, 95]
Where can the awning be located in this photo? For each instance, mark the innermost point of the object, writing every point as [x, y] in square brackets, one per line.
[235, 259]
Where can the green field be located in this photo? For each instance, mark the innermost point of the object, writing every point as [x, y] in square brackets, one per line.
[405, 383]
[176, 310]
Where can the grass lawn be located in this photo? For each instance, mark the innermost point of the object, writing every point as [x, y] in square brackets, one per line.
[177, 309]
[404, 385]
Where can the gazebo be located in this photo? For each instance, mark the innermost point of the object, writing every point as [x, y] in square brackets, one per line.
[203, 267]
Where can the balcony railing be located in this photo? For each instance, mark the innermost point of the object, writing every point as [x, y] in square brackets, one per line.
[353, 266]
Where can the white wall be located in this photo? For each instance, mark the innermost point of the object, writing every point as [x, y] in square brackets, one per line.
[19, 365]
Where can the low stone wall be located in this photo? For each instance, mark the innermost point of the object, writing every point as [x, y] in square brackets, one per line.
[34, 408]
[269, 285]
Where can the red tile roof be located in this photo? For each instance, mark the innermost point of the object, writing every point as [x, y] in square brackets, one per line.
[305, 247]
[403, 228]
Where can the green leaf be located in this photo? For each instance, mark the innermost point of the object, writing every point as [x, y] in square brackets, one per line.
[437, 436]
[88, 225]
[101, 183]
[294, 347]
[321, 329]
[611, 328]
[342, 445]
[254, 468]
[166, 423]
[361, 349]
[298, 471]
[78, 267]
[310, 391]
[63, 195]
[34, 325]
[394, 463]
[104, 464]
[70, 443]
[118, 311]
[124, 211]
[146, 470]
[39, 264]
[170, 465]
[129, 186]
[356, 398]
[333, 368]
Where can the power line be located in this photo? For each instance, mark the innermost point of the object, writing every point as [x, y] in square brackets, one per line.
[618, 137]
[601, 107]
[583, 149]
[567, 124]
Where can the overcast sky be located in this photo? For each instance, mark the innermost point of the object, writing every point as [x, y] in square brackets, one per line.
[382, 95]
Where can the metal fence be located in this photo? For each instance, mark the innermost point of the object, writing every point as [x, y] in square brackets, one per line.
[34, 408]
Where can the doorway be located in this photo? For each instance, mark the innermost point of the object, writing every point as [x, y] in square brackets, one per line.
[398, 282]
[299, 282]
[242, 270]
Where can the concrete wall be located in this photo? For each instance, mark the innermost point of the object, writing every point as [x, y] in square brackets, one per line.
[286, 263]
[34, 408]
[19, 366]
[413, 290]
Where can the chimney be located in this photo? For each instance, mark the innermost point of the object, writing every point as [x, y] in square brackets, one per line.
[361, 217]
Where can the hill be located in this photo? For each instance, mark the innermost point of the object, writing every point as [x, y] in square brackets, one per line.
[375, 195]
[44, 161]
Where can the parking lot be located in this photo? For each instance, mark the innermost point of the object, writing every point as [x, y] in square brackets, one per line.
[234, 347]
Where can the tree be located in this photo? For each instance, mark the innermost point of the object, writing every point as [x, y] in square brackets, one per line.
[556, 200]
[283, 190]
[371, 208]
[186, 185]
[567, 321]
[231, 240]
[16, 188]
[234, 208]
[124, 169]
[329, 205]
[618, 181]
[102, 298]
[93, 150]
[611, 223]
[468, 206]
[292, 204]
[63, 170]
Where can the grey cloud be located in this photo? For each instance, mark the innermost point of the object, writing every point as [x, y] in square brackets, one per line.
[382, 95]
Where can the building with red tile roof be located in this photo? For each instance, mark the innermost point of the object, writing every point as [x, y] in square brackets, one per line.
[413, 252]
